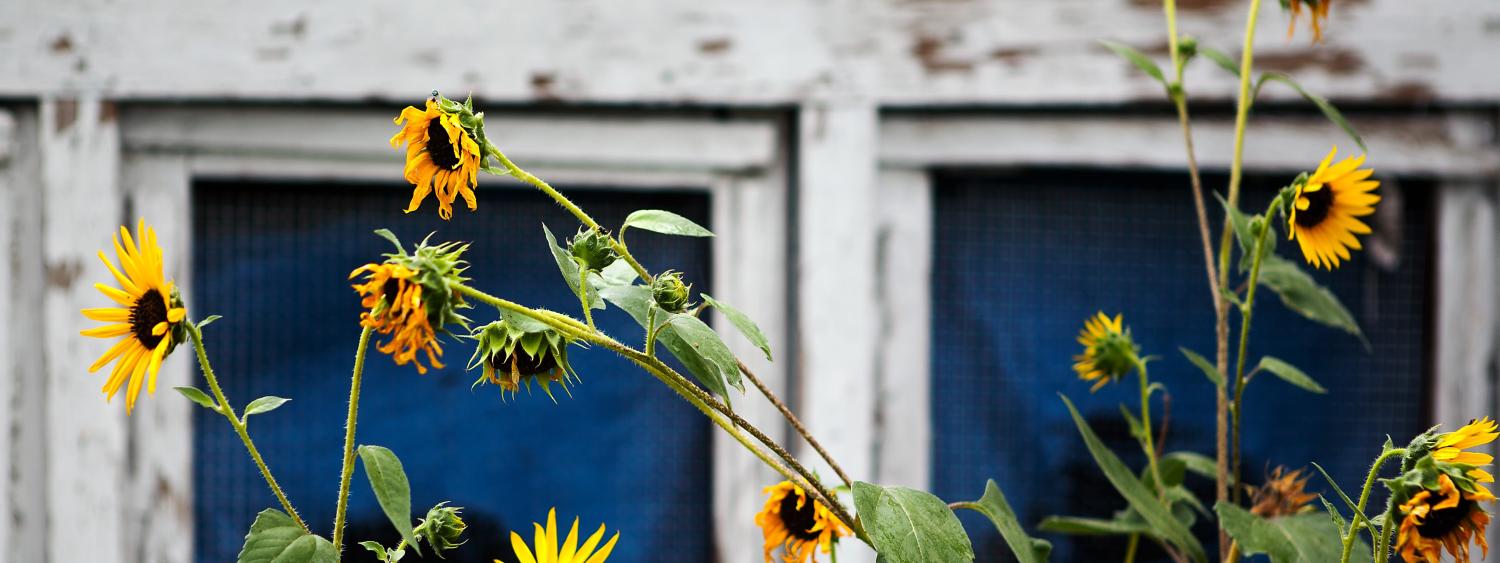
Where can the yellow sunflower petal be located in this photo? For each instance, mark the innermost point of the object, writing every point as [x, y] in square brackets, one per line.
[519, 546]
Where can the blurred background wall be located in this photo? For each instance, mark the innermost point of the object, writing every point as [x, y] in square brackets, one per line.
[919, 200]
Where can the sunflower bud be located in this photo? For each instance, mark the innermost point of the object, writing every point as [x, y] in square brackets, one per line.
[442, 528]
[412, 298]
[1188, 47]
[592, 249]
[670, 293]
[518, 349]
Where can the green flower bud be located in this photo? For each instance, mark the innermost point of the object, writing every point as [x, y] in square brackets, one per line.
[670, 293]
[592, 249]
[442, 528]
[1188, 47]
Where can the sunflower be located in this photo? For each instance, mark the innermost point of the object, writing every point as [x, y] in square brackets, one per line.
[1283, 494]
[1108, 352]
[1448, 518]
[394, 301]
[1450, 446]
[793, 521]
[1324, 214]
[148, 319]
[517, 349]
[546, 545]
[1317, 9]
[442, 156]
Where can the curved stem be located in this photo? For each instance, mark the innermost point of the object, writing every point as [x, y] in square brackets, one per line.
[1364, 497]
[1247, 312]
[705, 402]
[583, 295]
[796, 423]
[239, 425]
[1148, 442]
[347, 470]
[1130, 548]
[567, 204]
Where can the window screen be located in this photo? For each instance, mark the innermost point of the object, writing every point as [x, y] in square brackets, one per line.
[273, 259]
[1021, 259]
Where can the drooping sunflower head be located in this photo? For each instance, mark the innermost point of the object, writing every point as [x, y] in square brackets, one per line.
[445, 150]
[148, 318]
[413, 298]
[1317, 12]
[1325, 210]
[1108, 351]
[1283, 494]
[547, 550]
[518, 349]
[793, 521]
[1438, 516]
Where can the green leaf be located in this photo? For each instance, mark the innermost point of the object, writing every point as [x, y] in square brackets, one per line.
[1290, 374]
[711, 365]
[742, 322]
[994, 506]
[1300, 293]
[1136, 58]
[1140, 498]
[392, 490]
[197, 396]
[911, 526]
[1332, 113]
[1302, 538]
[1340, 490]
[664, 222]
[1199, 464]
[264, 404]
[275, 538]
[1333, 514]
[1209, 370]
[208, 320]
[569, 270]
[1224, 61]
[390, 236]
[1137, 431]
[1095, 526]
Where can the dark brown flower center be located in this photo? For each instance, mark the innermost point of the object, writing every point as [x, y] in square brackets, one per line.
[1440, 523]
[149, 310]
[525, 364]
[799, 521]
[440, 145]
[1318, 205]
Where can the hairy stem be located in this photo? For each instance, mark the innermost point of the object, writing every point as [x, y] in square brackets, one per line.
[1247, 312]
[796, 423]
[583, 295]
[1364, 497]
[347, 470]
[1147, 441]
[239, 425]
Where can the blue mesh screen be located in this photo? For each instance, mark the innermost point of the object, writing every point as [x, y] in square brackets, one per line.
[1021, 259]
[273, 260]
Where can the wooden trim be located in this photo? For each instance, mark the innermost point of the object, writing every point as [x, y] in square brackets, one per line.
[903, 416]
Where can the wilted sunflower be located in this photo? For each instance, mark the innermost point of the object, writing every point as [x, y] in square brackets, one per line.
[148, 319]
[547, 550]
[796, 523]
[1108, 352]
[1447, 518]
[411, 299]
[519, 349]
[1317, 10]
[1283, 494]
[1324, 214]
[442, 155]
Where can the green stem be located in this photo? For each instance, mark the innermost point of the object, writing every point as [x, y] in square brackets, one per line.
[583, 295]
[1147, 441]
[1364, 497]
[567, 204]
[1246, 316]
[713, 408]
[1383, 543]
[1130, 548]
[225, 409]
[348, 467]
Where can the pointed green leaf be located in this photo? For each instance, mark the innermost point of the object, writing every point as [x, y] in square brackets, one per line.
[1140, 498]
[275, 538]
[264, 404]
[1333, 514]
[1196, 463]
[1300, 293]
[1136, 58]
[197, 396]
[569, 270]
[1290, 374]
[1208, 369]
[664, 222]
[1302, 538]
[742, 322]
[1224, 61]
[1340, 490]
[994, 506]
[708, 365]
[1332, 113]
[911, 526]
[390, 236]
[392, 490]
[1095, 527]
[208, 321]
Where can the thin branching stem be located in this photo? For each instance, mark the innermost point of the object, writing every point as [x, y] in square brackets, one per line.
[796, 423]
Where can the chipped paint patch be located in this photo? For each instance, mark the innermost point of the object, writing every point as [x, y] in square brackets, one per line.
[1339, 62]
[929, 52]
[715, 46]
